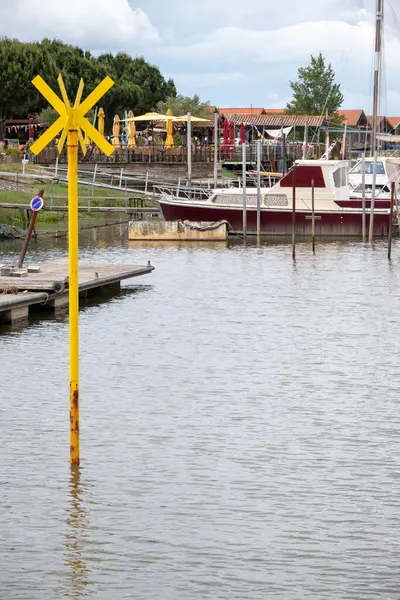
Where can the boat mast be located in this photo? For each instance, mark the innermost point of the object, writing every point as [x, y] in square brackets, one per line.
[377, 73]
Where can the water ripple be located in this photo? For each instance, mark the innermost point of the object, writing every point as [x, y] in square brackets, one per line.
[240, 431]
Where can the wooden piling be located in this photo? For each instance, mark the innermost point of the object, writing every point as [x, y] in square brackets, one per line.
[364, 222]
[392, 194]
[294, 214]
[258, 189]
[313, 215]
[216, 117]
[244, 158]
[189, 149]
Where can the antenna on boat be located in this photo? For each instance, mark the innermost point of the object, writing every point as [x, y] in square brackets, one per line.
[377, 71]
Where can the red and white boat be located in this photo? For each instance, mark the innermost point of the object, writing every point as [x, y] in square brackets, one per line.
[338, 212]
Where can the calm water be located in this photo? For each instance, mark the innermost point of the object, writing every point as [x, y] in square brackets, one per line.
[239, 426]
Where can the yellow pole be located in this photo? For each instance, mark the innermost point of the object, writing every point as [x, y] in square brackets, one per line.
[73, 293]
[73, 124]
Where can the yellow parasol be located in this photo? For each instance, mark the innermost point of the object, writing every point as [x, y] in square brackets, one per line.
[116, 130]
[153, 116]
[100, 121]
[131, 131]
[193, 119]
[169, 142]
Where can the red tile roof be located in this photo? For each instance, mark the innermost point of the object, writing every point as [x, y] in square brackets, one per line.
[394, 121]
[274, 111]
[241, 111]
[280, 120]
[351, 117]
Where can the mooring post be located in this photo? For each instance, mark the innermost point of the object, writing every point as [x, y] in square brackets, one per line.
[189, 149]
[258, 190]
[294, 214]
[364, 223]
[372, 208]
[216, 118]
[244, 190]
[313, 215]
[28, 235]
[392, 194]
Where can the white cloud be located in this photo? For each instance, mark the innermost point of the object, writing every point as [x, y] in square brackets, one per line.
[232, 52]
[258, 13]
[92, 24]
[335, 39]
[279, 52]
[201, 80]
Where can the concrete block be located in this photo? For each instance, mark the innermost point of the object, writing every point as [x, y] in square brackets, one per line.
[33, 269]
[19, 313]
[19, 273]
[58, 302]
[178, 231]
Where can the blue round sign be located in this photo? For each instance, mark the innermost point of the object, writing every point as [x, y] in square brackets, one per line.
[36, 203]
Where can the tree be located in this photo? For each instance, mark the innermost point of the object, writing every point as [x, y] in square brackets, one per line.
[315, 92]
[138, 85]
[181, 105]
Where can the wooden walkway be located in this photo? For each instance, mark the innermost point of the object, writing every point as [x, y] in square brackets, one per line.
[49, 287]
[130, 210]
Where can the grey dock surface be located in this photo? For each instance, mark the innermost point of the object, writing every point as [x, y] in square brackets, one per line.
[49, 287]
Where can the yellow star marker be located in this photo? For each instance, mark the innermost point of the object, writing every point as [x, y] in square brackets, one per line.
[73, 123]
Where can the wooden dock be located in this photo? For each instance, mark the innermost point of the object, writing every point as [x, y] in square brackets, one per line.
[130, 210]
[49, 287]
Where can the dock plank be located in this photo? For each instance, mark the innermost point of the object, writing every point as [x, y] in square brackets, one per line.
[51, 284]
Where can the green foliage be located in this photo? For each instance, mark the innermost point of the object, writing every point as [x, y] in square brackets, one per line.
[138, 85]
[47, 116]
[13, 152]
[315, 92]
[178, 139]
[181, 105]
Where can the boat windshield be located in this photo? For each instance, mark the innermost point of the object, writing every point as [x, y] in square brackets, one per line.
[368, 189]
[369, 168]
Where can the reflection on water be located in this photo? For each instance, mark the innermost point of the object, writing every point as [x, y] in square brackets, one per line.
[239, 430]
[78, 574]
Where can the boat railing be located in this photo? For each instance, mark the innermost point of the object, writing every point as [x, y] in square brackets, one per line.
[189, 194]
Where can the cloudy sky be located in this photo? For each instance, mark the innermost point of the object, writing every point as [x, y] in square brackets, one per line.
[230, 52]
